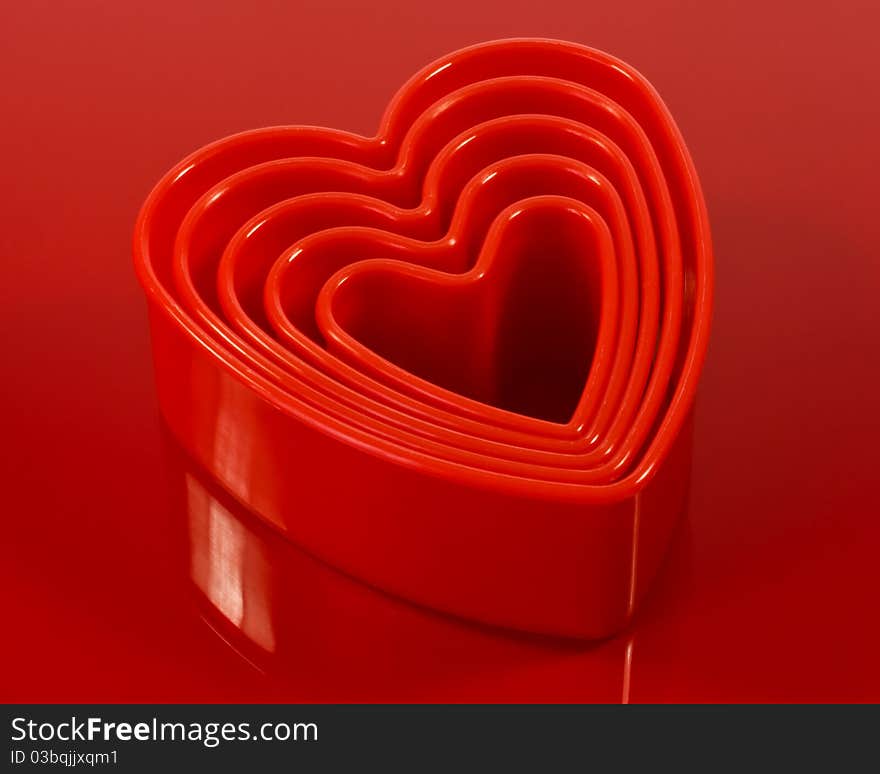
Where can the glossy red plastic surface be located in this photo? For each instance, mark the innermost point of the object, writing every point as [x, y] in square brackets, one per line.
[494, 315]
[770, 584]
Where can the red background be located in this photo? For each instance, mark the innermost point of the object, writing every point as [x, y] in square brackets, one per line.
[770, 591]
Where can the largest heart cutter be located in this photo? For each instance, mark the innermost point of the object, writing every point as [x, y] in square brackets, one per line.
[493, 495]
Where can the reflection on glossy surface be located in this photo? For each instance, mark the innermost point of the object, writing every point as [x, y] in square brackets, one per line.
[228, 566]
[310, 628]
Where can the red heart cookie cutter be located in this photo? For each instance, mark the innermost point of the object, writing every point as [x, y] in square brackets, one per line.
[457, 359]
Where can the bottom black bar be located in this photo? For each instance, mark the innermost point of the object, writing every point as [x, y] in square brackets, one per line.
[411, 738]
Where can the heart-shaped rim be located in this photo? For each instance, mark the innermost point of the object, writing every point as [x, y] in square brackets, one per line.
[175, 274]
[347, 175]
[359, 241]
[366, 289]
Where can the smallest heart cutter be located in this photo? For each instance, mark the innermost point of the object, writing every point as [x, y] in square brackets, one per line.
[458, 359]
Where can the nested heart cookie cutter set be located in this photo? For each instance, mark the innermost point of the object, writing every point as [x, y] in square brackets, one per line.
[458, 359]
